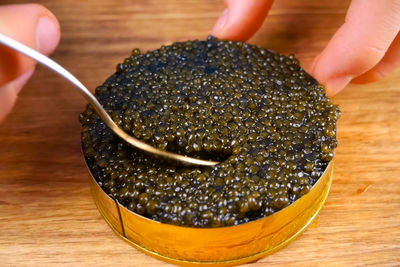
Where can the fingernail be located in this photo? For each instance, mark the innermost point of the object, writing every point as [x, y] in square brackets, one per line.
[314, 64]
[334, 86]
[220, 22]
[9, 93]
[21, 80]
[16, 85]
[47, 35]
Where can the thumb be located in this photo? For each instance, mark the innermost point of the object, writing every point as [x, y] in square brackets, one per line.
[34, 26]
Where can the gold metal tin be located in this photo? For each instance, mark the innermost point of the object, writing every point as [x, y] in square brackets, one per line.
[224, 246]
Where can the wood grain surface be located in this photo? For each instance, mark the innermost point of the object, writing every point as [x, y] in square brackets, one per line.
[47, 216]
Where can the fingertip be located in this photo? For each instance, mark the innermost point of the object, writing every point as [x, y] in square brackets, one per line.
[22, 80]
[217, 30]
[241, 19]
[7, 100]
[333, 85]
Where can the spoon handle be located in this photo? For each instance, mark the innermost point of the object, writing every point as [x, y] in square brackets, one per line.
[54, 66]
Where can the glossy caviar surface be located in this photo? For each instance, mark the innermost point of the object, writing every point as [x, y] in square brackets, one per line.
[258, 112]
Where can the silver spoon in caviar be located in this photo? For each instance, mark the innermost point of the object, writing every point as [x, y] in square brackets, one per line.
[52, 65]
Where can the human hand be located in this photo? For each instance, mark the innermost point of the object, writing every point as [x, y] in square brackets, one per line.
[364, 49]
[34, 26]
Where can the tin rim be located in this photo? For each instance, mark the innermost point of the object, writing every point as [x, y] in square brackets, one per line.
[128, 225]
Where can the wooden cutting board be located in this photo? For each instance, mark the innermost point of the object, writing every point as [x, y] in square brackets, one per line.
[47, 216]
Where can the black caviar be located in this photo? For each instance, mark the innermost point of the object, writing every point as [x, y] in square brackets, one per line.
[258, 112]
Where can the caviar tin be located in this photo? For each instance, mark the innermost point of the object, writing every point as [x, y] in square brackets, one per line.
[223, 246]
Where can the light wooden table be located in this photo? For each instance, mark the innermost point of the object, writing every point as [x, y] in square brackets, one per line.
[47, 215]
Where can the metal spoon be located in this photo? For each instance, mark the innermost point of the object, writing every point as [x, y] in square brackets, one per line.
[42, 59]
